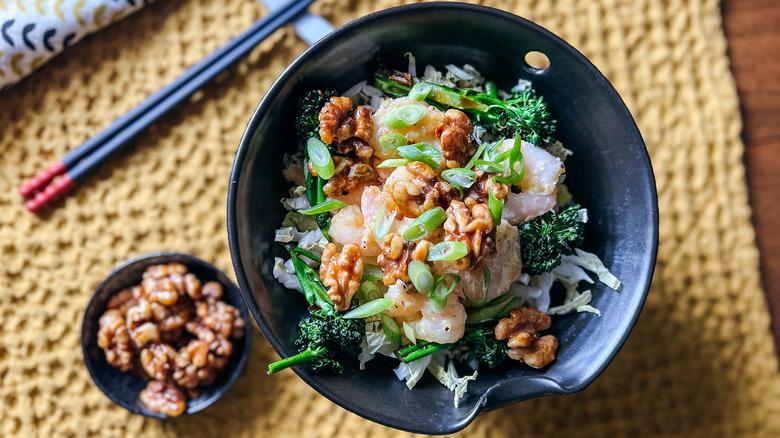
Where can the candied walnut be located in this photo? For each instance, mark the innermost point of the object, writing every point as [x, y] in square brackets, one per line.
[478, 192]
[115, 340]
[218, 344]
[341, 272]
[396, 256]
[126, 299]
[171, 318]
[193, 365]
[454, 135]
[192, 286]
[415, 189]
[521, 329]
[336, 124]
[156, 360]
[164, 398]
[356, 145]
[212, 290]
[340, 183]
[142, 331]
[220, 317]
[472, 226]
[402, 78]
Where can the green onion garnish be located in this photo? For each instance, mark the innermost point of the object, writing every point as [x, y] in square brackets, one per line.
[420, 274]
[491, 89]
[330, 204]
[489, 166]
[437, 297]
[404, 116]
[498, 308]
[459, 177]
[420, 91]
[409, 332]
[447, 250]
[391, 329]
[422, 152]
[495, 206]
[320, 157]
[371, 308]
[392, 140]
[382, 224]
[476, 156]
[371, 273]
[369, 291]
[393, 162]
[423, 225]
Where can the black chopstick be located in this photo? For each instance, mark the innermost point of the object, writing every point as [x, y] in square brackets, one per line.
[78, 163]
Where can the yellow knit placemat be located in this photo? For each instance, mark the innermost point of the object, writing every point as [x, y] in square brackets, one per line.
[700, 362]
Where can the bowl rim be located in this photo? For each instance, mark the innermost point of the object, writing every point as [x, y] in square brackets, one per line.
[545, 385]
[189, 260]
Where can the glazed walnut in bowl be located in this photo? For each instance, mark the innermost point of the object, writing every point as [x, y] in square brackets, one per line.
[165, 334]
[609, 173]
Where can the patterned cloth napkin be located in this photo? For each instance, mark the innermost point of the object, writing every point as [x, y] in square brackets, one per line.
[33, 31]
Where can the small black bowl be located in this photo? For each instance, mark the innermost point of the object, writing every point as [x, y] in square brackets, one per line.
[610, 174]
[123, 388]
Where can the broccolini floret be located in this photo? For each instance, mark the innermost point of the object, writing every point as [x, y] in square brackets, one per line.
[325, 333]
[307, 122]
[548, 237]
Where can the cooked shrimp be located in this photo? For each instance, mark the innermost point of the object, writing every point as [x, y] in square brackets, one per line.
[414, 309]
[505, 267]
[523, 207]
[423, 131]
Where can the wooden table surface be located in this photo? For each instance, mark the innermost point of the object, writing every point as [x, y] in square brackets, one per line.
[753, 34]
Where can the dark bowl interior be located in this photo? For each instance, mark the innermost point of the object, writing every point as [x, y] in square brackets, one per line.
[123, 388]
[609, 173]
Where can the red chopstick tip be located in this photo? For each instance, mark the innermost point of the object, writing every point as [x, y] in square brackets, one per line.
[51, 193]
[39, 181]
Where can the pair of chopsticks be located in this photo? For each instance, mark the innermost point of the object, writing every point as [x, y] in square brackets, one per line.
[77, 164]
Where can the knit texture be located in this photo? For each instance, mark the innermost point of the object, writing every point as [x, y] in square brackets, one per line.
[699, 363]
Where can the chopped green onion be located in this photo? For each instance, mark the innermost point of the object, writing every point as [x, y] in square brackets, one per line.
[404, 116]
[391, 329]
[489, 166]
[437, 297]
[447, 250]
[422, 152]
[459, 177]
[369, 291]
[423, 225]
[485, 282]
[420, 274]
[495, 309]
[490, 152]
[392, 140]
[382, 224]
[393, 162]
[371, 273]
[420, 91]
[409, 332]
[320, 157]
[476, 156]
[330, 204]
[495, 206]
[371, 308]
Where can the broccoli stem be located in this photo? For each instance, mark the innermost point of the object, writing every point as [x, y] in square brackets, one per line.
[311, 354]
[420, 350]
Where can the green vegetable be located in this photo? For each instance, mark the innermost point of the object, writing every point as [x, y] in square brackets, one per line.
[523, 112]
[460, 177]
[422, 152]
[420, 274]
[548, 237]
[382, 224]
[447, 250]
[420, 91]
[495, 206]
[489, 166]
[325, 334]
[495, 309]
[320, 157]
[324, 207]
[307, 122]
[391, 329]
[437, 297]
[393, 162]
[371, 308]
[423, 225]
[392, 140]
[483, 346]
[404, 117]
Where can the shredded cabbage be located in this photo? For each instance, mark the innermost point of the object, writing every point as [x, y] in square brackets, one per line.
[297, 199]
[450, 379]
[412, 372]
[373, 343]
[285, 274]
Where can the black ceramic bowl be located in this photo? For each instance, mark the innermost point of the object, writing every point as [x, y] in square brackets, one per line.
[609, 173]
[123, 388]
